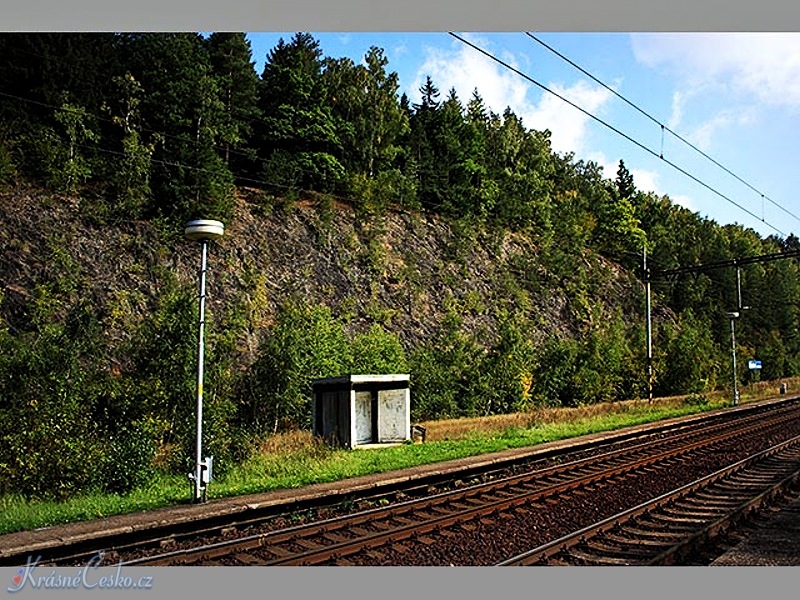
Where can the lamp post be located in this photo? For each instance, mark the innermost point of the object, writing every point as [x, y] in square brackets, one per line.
[203, 231]
[649, 330]
[733, 316]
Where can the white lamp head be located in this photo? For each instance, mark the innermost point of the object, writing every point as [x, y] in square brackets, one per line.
[204, 230]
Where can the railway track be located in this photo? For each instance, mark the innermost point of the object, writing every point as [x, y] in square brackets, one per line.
[425, 521]
[669, 528]
[139, 539]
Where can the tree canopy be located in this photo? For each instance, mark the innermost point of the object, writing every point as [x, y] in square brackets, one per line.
[163, 127]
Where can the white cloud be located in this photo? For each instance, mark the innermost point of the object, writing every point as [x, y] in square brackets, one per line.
[567, 124]
[400, 49]
[678, 103]
[723, 80]
[701, 136]
[684, 201]
[761, 65]
[644, 180]
[647, 181]
[465, 69]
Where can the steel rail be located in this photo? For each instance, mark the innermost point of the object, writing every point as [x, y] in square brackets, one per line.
[332, 539]
[136, 541]
[666, 541]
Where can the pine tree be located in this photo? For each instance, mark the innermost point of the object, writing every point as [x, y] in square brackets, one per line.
[425, 123]
[298, 136]
[624, 183]
[365, 98]
[520, 161]
[183, 112]
[456, 188]
[230, 55]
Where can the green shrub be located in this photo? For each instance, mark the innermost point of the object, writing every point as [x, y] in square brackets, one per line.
[511, 364]
[378, 351]
[163, 350]
[691, 365]
[128, 459]
[374, 195]
[447, 374]
[50, 443]
[305, 343]
[697, 400]
[8, 169]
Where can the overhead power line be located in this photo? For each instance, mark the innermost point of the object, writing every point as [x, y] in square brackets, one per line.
[733, 262]
[615, 130]
[167, 163]
[79, 111]
[167, 136]
[663, 127]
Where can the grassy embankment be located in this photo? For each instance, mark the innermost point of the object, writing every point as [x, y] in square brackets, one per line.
[296, 459]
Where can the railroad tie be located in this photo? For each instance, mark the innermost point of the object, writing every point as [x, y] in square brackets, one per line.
[246, 559]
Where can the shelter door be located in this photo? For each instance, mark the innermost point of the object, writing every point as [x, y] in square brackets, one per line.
[364, 417]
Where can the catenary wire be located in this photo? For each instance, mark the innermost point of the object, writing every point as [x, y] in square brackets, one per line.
[614, 129]
[102, 119]
[506, 65]
[663, 127]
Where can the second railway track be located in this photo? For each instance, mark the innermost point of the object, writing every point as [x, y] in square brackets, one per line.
[670, 527]
[386, 535]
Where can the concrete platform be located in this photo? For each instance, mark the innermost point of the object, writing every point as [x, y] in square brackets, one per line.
[775, 544]
[39, 541]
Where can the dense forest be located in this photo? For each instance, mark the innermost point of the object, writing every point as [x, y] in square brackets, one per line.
[502, 275]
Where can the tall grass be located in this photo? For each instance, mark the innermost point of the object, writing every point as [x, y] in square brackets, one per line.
[295, 459]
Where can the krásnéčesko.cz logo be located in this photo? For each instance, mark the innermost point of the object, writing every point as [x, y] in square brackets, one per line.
[87, 577]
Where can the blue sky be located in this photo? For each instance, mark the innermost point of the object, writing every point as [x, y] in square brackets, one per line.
[735, 96]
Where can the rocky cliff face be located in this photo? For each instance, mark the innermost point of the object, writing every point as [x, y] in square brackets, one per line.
[403, 270]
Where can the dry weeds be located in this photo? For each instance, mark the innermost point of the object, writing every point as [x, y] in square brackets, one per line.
[303, 443]
[453, 429]
[293, 443]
